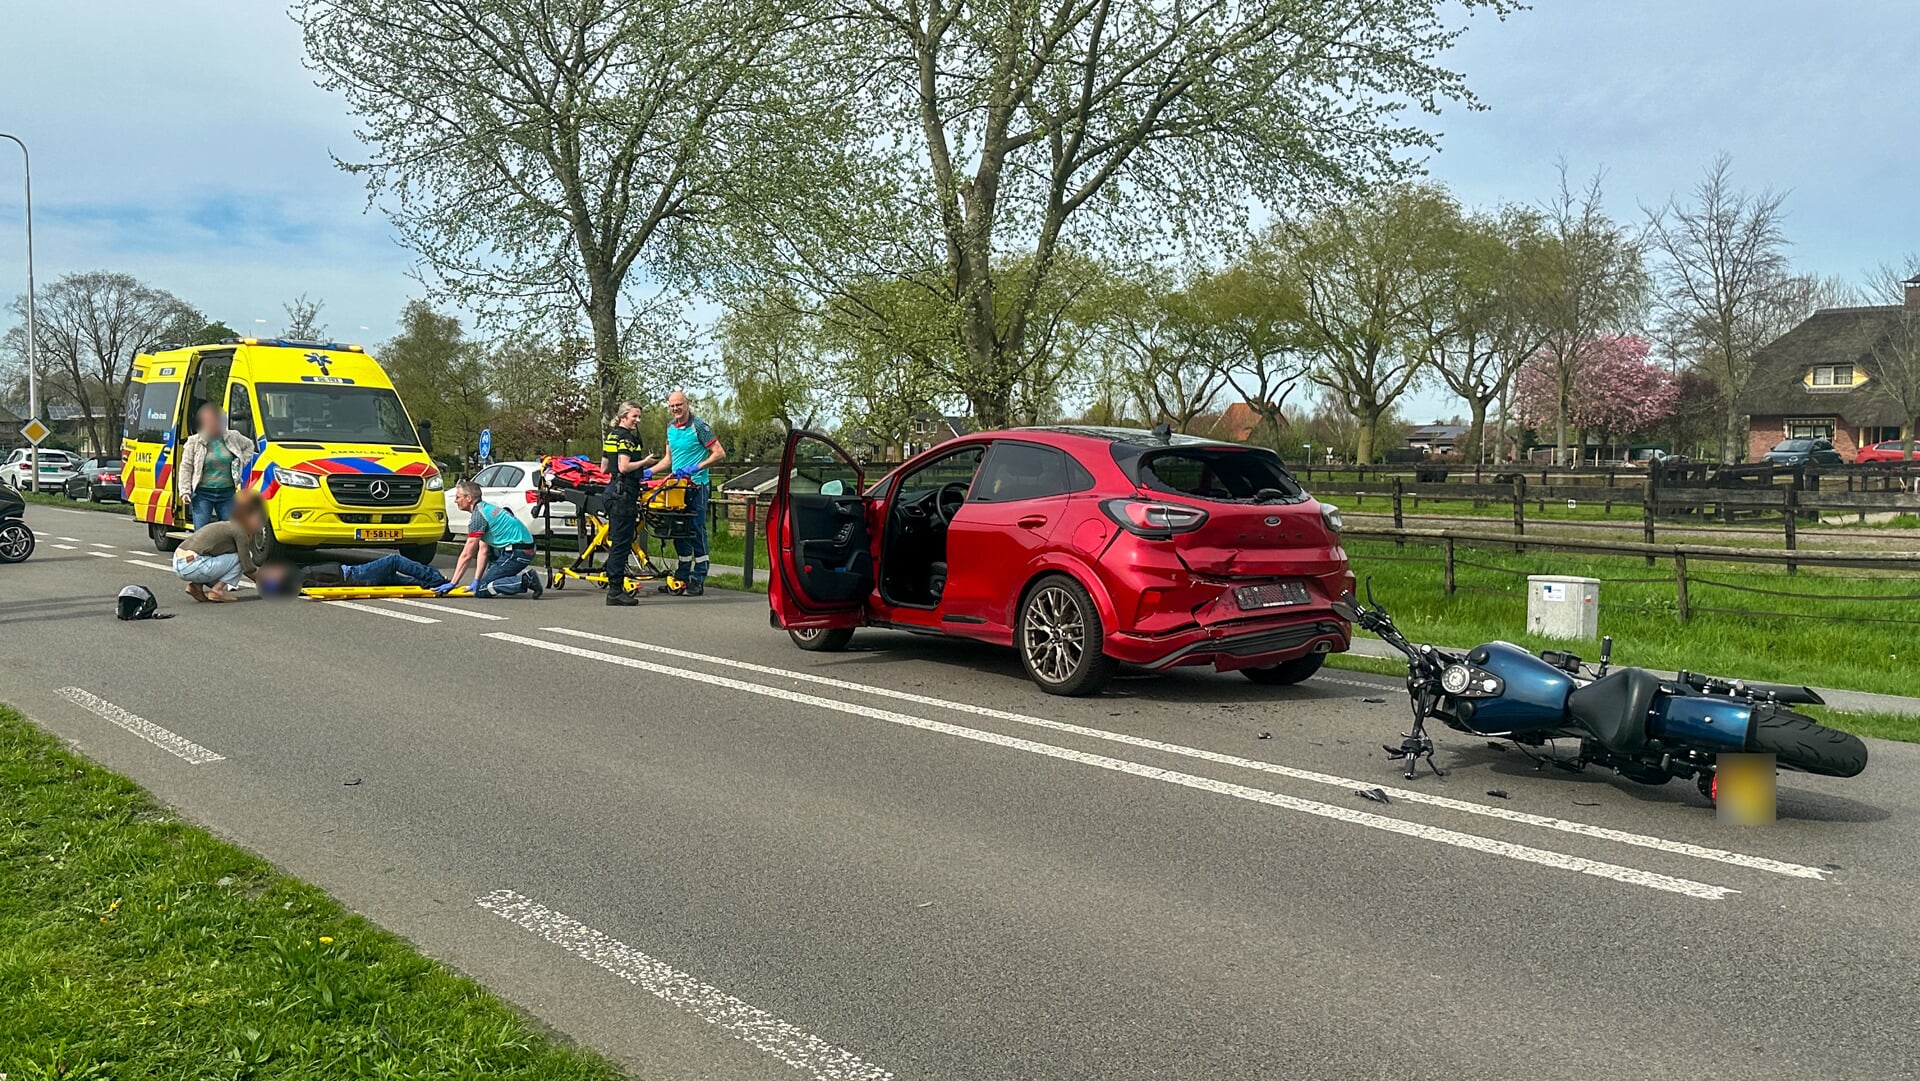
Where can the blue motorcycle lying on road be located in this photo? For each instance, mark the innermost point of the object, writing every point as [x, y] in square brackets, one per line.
[1642, 726]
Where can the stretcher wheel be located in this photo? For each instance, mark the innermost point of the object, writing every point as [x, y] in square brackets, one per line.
[556, 581]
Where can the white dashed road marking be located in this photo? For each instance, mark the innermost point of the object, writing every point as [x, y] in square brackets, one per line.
[388, 612]
[1641, 840]
[1419, 831]
[97, 544]
[108, 555]
[193, 753]
[802, 1050]
[62, 547]
[75, 540]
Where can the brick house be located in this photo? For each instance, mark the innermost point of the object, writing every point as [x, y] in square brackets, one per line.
[1812, 381]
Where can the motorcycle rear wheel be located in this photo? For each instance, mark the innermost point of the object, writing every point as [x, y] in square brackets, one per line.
[1800, 742]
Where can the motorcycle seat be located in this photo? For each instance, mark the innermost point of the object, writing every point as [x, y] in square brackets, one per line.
[1615, 707]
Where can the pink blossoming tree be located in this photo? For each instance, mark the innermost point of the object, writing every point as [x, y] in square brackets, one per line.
[1615, 391]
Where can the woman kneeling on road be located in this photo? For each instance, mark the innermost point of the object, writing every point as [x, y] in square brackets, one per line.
[220, 552]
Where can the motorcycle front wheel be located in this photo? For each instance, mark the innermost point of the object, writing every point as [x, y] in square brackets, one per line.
[1800, 742]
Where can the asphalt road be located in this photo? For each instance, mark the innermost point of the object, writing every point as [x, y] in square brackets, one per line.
[676, 838]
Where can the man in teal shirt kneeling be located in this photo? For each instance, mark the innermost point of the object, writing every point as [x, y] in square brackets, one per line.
[499, 546]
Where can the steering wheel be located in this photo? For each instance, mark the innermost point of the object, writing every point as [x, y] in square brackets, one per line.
[947, 502]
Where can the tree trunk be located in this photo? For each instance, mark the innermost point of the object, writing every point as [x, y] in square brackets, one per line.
[1730, 438]
[1477, 429]
[1369, 421]
[607, 374]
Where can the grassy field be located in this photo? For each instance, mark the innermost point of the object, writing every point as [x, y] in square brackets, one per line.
[134, 945]
[1838, 628]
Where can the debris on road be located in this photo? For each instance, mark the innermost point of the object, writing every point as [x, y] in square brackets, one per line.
[1492, 746]
[355, 781]
[1498, 793]
[1374, 794]
[1584, 803]
[1264, 735]
[1373, 701]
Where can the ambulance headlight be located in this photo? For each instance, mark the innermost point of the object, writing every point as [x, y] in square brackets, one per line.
[435, 483]
[293, 478]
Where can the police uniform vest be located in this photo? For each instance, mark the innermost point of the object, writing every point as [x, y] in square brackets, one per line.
[624, 486]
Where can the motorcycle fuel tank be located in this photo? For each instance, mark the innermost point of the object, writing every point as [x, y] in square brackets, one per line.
[1533, 693]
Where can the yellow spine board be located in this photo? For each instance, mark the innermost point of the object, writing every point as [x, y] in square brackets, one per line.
[362, 593]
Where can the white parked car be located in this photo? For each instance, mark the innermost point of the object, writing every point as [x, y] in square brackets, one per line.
[515, 486]
[57, 467]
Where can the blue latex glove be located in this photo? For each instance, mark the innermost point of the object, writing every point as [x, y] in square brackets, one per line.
[443, 589]
[685, 472]
[646, 474]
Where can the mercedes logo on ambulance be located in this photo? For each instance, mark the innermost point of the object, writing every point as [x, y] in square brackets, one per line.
[379, 489]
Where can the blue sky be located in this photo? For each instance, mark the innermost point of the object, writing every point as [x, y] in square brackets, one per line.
[185, 143]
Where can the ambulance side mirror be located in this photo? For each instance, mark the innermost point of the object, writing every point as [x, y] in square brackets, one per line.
[426, 435]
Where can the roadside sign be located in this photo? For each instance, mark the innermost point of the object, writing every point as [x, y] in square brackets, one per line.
[34, 431]
[486, 444]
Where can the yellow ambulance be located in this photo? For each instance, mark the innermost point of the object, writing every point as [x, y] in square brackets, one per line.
[337, 460]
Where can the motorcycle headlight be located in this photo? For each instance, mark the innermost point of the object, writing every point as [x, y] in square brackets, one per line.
[435, 483]
[1455, 679]
[1330, 514]
[293, 478]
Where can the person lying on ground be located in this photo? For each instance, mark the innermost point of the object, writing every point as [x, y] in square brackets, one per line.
[219, 553]
[286, 579]
[498, 545]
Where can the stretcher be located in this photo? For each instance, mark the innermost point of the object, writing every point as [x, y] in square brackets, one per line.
[368, 593]
[663, 514]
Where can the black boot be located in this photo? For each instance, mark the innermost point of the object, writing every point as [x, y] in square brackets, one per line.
[618, 597]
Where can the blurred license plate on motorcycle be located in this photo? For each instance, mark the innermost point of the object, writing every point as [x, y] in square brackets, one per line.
[1270, 595]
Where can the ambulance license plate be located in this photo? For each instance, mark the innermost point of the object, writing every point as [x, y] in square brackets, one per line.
[378, 534]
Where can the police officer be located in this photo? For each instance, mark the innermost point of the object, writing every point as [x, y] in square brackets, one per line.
[622, 458]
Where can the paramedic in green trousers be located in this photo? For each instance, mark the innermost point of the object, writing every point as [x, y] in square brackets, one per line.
[691, 448]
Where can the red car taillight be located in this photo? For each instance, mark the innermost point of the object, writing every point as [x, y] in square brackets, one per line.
[109, 478]
[533, 497]
[1156, 521]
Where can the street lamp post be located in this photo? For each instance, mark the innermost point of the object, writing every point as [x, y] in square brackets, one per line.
[33, 338]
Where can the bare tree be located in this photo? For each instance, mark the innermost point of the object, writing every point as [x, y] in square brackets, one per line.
[1591, 281]
[1257, 336]
[553, 157]
[1725, 286]
[1172, 371]
[91, 325]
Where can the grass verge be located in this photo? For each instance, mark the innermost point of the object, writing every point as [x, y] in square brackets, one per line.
[1876, 725]
[134, 945]
[1849, 630]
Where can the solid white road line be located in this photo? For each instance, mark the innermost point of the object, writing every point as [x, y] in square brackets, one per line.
[1523, 853]
[193, 753]
[444, 609]
[1641, 840]
[797, 1048]
[64, 510]
[108, 555]
[1378, 688]
[389, 613]
[62, 547]
[147, 563]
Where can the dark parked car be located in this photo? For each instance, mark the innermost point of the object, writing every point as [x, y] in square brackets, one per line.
[97, 482]
[1802, 452]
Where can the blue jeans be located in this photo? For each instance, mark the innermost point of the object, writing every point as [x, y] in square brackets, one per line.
[502, 576]
[210, 505]
[693, 550]
[392, 570]
[207, 570]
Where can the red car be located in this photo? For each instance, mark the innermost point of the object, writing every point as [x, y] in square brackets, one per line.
[1889, 451]
[1083, 548]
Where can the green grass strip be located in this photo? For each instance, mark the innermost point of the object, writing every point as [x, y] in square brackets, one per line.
[135, 945]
